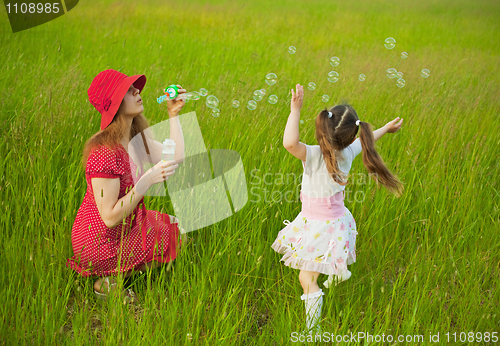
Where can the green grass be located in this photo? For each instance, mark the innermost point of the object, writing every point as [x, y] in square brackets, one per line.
[427, 262]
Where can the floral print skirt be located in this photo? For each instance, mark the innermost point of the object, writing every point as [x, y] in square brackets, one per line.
[324, 246]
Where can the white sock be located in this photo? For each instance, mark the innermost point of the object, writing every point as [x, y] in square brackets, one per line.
[337, 279]
[313, 303]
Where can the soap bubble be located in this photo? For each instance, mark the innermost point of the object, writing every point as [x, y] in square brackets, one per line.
[362, 77]
[212, 101]
[404, 55]
[188, 96]
[333, 76]
[311, 86]
[195, 95]
[236, 103]
[334, 61]
[263, 91]
[400, 74]
[292, 50]
[400, 82]
[251, 105]
[301, 121]
[325, 98]
[425, 73]
[272, 99]
[271, 79]
[392, 73]
[203, 92]
[390, 43]
[215, 112]
[257, 95]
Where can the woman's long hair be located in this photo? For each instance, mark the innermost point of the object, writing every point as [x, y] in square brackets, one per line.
[338, 132]
[113, 133]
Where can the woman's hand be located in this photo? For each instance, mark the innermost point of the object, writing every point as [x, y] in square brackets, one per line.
[297, 98]
[156, 174]
[394, 126]
[174, 106]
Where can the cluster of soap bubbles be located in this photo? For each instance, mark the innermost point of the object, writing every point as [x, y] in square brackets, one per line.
[271, 79]
[213, 102]
[390, 43]
[195, 95]
[259, 94]
[393, 73]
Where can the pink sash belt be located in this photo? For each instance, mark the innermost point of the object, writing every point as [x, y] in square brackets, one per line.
[322, 209]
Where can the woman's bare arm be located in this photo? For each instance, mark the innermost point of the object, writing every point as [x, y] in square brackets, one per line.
[112, 209]
[177, 136]
[106, 191]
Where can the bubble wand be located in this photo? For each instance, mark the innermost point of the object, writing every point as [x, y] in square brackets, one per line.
[171, 93]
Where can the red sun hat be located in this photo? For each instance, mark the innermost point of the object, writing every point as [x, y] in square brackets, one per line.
[107, 91]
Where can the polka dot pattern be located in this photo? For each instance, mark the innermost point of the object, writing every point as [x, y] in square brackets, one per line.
[144, 236]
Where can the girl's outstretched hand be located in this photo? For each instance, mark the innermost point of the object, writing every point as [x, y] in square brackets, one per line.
[297, 98]
[394, 126]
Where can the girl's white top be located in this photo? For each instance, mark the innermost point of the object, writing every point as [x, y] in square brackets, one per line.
[316, 181]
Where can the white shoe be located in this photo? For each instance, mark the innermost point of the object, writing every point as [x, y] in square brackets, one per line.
[336, 279]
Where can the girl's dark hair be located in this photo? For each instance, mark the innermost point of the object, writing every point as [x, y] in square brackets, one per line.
[338, 132]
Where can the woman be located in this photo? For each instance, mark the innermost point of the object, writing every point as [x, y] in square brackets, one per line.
[113, 232]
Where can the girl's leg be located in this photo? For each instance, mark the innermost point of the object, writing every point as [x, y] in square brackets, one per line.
[312, 297]
[309, 281]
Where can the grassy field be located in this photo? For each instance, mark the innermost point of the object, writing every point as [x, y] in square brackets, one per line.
[427, 262]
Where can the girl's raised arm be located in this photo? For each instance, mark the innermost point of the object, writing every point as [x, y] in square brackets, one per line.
[291, 136]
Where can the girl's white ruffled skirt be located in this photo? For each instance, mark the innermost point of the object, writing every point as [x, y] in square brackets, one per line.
[319, 246]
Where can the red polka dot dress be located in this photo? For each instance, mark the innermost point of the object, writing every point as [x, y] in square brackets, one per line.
[145, 235]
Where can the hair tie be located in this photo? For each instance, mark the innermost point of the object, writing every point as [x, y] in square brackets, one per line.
[329, 114]
[357, 122]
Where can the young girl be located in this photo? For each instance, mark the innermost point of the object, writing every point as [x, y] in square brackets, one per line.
[322, 238]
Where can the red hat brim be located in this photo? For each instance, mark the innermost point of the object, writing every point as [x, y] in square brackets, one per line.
[138, 80]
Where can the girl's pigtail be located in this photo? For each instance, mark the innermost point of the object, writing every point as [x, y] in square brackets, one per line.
[374, 163]
[330, 156]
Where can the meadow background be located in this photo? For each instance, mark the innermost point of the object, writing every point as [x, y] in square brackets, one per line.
[427, 262]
